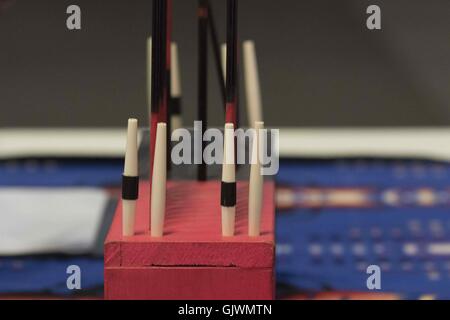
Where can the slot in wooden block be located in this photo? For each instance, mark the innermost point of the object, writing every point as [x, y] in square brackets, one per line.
[192, 260]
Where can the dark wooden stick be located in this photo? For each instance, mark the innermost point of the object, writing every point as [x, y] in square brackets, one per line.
[231, 72]
[202, 77]
[155, 79]
[228, 186]
[163, 63]
[168, 41]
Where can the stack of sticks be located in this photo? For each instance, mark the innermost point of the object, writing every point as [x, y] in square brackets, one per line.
[165, 115]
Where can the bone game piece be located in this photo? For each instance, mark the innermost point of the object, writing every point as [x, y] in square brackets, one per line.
[130, 180]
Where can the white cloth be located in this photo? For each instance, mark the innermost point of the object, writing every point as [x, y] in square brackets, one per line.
[50, 220]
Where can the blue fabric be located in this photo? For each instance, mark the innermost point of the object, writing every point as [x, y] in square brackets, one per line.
[45, 274]
[48, 274]
[330, 248]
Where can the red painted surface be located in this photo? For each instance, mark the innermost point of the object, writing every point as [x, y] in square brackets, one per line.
[192, 260]
[189, 283]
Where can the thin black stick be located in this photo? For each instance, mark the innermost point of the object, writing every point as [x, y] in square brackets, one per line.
[228, 186]
[231, 72]
[163, 63]
[202, 76]
[238, 93]
[155, 53]
[167, 44]
[216, 50]
[155, 78]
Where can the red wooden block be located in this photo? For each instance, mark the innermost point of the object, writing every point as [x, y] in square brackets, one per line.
[192, 260]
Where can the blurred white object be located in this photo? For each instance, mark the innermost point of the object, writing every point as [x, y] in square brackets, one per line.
[46, 220]
[84, 142]
[252, 85]
[413, 142]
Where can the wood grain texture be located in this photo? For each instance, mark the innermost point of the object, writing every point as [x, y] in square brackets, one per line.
[189, 283]
[192, 231]
[192, 260]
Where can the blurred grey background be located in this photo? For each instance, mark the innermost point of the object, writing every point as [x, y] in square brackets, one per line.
[319, 65]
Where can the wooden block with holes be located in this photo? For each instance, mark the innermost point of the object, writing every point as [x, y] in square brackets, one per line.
[192, 260]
